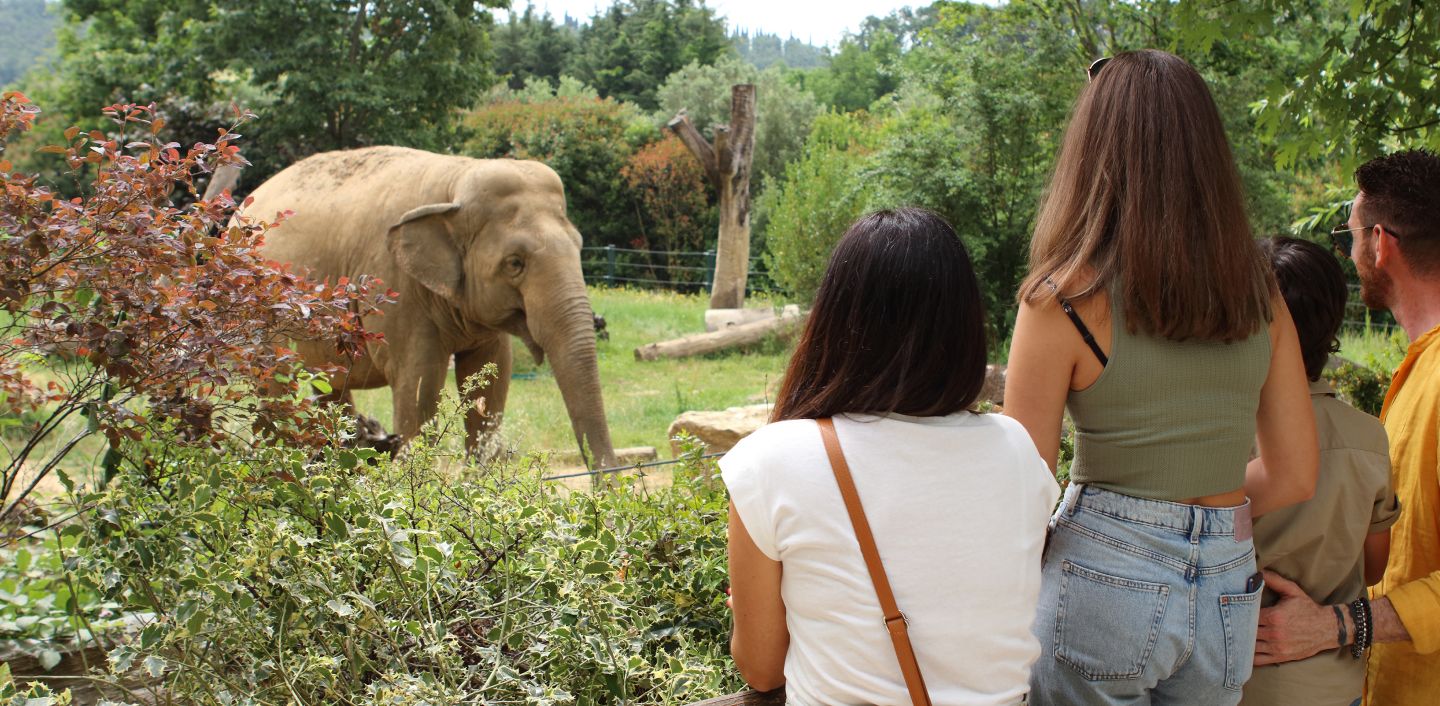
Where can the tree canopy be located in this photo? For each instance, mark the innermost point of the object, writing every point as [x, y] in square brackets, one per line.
[320, 74]
[28, 28]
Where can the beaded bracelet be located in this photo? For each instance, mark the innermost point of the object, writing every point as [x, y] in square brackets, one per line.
[1341, 634]
[1360, 613]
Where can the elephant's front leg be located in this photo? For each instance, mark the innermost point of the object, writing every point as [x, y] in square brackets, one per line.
[487, 403]
[417, 376]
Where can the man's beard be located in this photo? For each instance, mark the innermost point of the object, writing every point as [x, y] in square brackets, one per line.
[1375, 286]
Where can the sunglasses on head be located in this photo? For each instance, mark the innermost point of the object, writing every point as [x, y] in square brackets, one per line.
[1095, 67]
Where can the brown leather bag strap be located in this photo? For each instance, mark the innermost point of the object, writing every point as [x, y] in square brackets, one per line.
[895, 622]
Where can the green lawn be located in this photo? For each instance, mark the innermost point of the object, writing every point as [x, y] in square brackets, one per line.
[641, 398]
[1374, 347]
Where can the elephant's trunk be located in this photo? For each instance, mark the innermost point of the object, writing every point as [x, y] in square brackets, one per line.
[564, 326]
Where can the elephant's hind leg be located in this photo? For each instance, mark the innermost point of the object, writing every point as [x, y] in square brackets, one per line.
[488, 402]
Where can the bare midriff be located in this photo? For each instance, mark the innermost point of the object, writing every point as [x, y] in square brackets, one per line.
[1233, 498]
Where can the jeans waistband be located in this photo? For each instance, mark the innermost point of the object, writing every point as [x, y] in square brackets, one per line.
[1194, 520]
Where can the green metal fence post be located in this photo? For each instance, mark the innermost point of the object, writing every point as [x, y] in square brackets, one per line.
[610, 265]
[709, 270]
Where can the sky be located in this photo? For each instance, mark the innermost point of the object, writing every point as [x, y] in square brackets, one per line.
[816, 21]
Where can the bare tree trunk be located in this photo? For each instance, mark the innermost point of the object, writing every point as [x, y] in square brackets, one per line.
[225, 177]
[727, 164]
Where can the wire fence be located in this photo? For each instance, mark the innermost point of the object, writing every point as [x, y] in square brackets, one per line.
[690, 272]
[663, 269]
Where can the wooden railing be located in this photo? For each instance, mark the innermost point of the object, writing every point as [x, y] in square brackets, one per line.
[747, 698]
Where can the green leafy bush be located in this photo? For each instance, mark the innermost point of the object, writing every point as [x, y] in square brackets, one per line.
[820, 195]
[674, 208]
[344, 578]
[1363, 387]
[587, 141]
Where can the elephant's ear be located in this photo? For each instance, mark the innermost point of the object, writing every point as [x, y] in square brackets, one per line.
[422, 246]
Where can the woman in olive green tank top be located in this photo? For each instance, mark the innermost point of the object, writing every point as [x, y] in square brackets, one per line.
[1151, 315]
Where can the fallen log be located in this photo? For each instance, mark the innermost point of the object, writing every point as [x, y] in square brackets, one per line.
[782, 326]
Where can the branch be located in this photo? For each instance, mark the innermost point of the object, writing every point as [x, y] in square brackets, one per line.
[696, 143]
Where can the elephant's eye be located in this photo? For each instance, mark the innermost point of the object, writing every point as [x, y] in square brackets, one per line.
[514, 264]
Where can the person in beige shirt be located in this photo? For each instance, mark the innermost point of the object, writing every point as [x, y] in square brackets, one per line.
[1336, 543]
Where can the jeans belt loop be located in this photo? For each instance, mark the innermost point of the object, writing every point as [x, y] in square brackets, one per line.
[1072, 498]
[1197, 522]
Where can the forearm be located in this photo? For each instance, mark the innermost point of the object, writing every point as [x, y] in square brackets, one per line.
[1388, 627]
[1267, 492]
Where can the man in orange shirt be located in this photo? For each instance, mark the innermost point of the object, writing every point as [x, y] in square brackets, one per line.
[1395, 224]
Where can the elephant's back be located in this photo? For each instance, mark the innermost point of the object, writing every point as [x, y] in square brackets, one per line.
[342, 203]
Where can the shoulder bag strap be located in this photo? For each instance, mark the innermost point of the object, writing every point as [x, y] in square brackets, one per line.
[895, 622]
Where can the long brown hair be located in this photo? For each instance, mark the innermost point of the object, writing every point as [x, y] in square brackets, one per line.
[897, 326]
[1146, 203]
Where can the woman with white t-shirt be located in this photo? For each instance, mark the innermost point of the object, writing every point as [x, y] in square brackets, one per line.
[894, 350]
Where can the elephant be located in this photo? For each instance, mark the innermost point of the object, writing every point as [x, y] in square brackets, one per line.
[477, 250]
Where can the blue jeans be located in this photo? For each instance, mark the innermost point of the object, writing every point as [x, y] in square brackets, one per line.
[1144, 602]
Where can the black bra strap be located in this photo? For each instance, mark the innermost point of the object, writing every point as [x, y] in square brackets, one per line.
[1079, 324]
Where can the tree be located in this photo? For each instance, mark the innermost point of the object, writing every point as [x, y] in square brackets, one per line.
[586, 140]
[1368, 86]
[985, 99]
[865, 68]
[530, 47]
[672, 205]
[331, 74]
[28, 27]
[145, 316]
[867, 65]
[783, 111]
[629, 49]
[766, 50]
[816, 199]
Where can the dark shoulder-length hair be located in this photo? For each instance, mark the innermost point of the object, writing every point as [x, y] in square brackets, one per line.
[1146, 203]
[1313, 286]
[897, 325]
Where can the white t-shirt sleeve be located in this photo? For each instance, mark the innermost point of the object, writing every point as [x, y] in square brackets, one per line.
[745, 471]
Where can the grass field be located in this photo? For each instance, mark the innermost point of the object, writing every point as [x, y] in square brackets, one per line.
[641, 398]
[1374, 347]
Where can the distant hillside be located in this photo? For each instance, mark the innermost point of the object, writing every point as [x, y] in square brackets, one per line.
[27, 30]
[762, 50]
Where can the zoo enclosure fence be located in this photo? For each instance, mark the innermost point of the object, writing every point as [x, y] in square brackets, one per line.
[679, 270]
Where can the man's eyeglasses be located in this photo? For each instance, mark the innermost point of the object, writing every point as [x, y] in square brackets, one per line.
[1342, 238]
[1095, 67]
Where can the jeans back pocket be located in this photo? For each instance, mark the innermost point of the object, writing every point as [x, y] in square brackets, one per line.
[1240, 615]
[1106, 626]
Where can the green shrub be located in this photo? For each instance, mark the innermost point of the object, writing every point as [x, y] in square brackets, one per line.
[821, 193]
[344, 578]
[587, 141]
[673, 205]
[1364, 388]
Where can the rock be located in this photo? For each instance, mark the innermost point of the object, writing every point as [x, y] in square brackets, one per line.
[994, 389]
[719, 430]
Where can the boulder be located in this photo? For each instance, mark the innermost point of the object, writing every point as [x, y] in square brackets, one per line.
[719, 430]
[994, 390]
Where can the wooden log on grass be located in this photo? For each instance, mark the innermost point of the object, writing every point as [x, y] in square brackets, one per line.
[750, 334]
